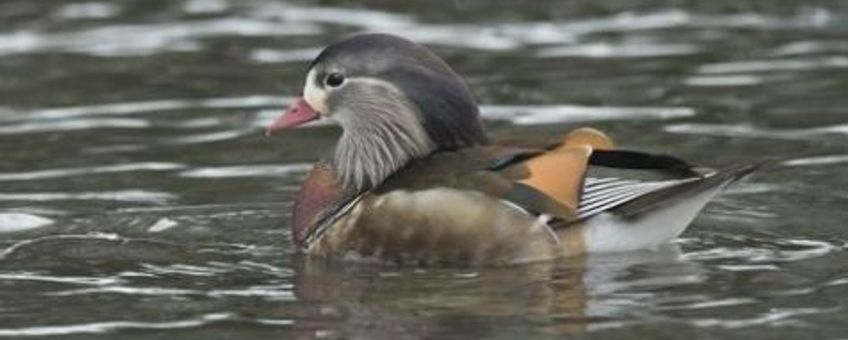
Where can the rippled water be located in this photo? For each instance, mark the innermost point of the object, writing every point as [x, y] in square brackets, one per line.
[139, 198]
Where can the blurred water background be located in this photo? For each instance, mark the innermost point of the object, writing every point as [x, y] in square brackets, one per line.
[139, 198]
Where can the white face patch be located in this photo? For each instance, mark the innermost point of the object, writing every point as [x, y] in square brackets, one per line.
[314, 95]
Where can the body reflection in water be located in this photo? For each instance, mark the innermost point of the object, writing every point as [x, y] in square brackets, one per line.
[556, 298]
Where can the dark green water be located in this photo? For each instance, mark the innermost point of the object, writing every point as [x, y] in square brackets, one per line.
[140, 200]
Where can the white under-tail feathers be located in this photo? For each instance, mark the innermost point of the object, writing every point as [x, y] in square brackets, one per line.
[663, 218]
[607, 232]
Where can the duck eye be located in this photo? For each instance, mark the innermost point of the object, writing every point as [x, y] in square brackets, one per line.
[334, 79]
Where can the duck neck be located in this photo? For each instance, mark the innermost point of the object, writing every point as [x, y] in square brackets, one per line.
[370, 152]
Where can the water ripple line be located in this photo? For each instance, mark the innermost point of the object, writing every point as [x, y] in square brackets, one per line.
[130, 195]
[95, 236]
[111, 326]
[131, 108]
[547, 114]
[259, 170]
[79, 280]
[89, 170]
[148, 39]
[750, 131]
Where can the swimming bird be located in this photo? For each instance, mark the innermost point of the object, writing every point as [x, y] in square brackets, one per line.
[415, 180]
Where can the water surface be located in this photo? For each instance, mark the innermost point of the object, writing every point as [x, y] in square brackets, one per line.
[139, 198]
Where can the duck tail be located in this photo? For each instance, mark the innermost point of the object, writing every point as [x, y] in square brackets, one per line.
[660, 216]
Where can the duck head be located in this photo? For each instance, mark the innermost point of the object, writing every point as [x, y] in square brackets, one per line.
[394, 100]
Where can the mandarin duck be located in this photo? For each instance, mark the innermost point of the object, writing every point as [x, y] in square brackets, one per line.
[414, 179]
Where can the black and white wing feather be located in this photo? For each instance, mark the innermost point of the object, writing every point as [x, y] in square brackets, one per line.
[603, 194]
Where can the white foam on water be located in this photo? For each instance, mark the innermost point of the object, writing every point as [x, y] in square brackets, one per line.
[14, 222]
[162, 224]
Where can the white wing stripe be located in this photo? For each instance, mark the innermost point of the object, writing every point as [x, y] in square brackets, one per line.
[602, 190]
[603, 184]
[605, 207]
[606, 194]
[603, 194]
[610, 201]
[592, 180]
